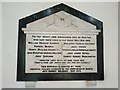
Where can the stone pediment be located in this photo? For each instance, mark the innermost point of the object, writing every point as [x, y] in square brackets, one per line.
[61, 21]
[61, 18]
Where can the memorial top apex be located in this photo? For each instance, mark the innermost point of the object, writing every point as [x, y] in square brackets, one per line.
[57, 8]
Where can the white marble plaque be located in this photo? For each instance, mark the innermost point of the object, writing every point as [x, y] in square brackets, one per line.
[62, 52]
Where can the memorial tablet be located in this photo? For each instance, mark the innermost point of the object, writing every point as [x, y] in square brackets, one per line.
[57, 44]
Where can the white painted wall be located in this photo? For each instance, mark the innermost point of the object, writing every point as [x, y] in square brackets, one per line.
[106, 12]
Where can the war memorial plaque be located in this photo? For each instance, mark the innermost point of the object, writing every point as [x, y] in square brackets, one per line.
[60, 54]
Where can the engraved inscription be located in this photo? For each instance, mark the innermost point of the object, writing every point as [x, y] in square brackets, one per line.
[60, 53]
